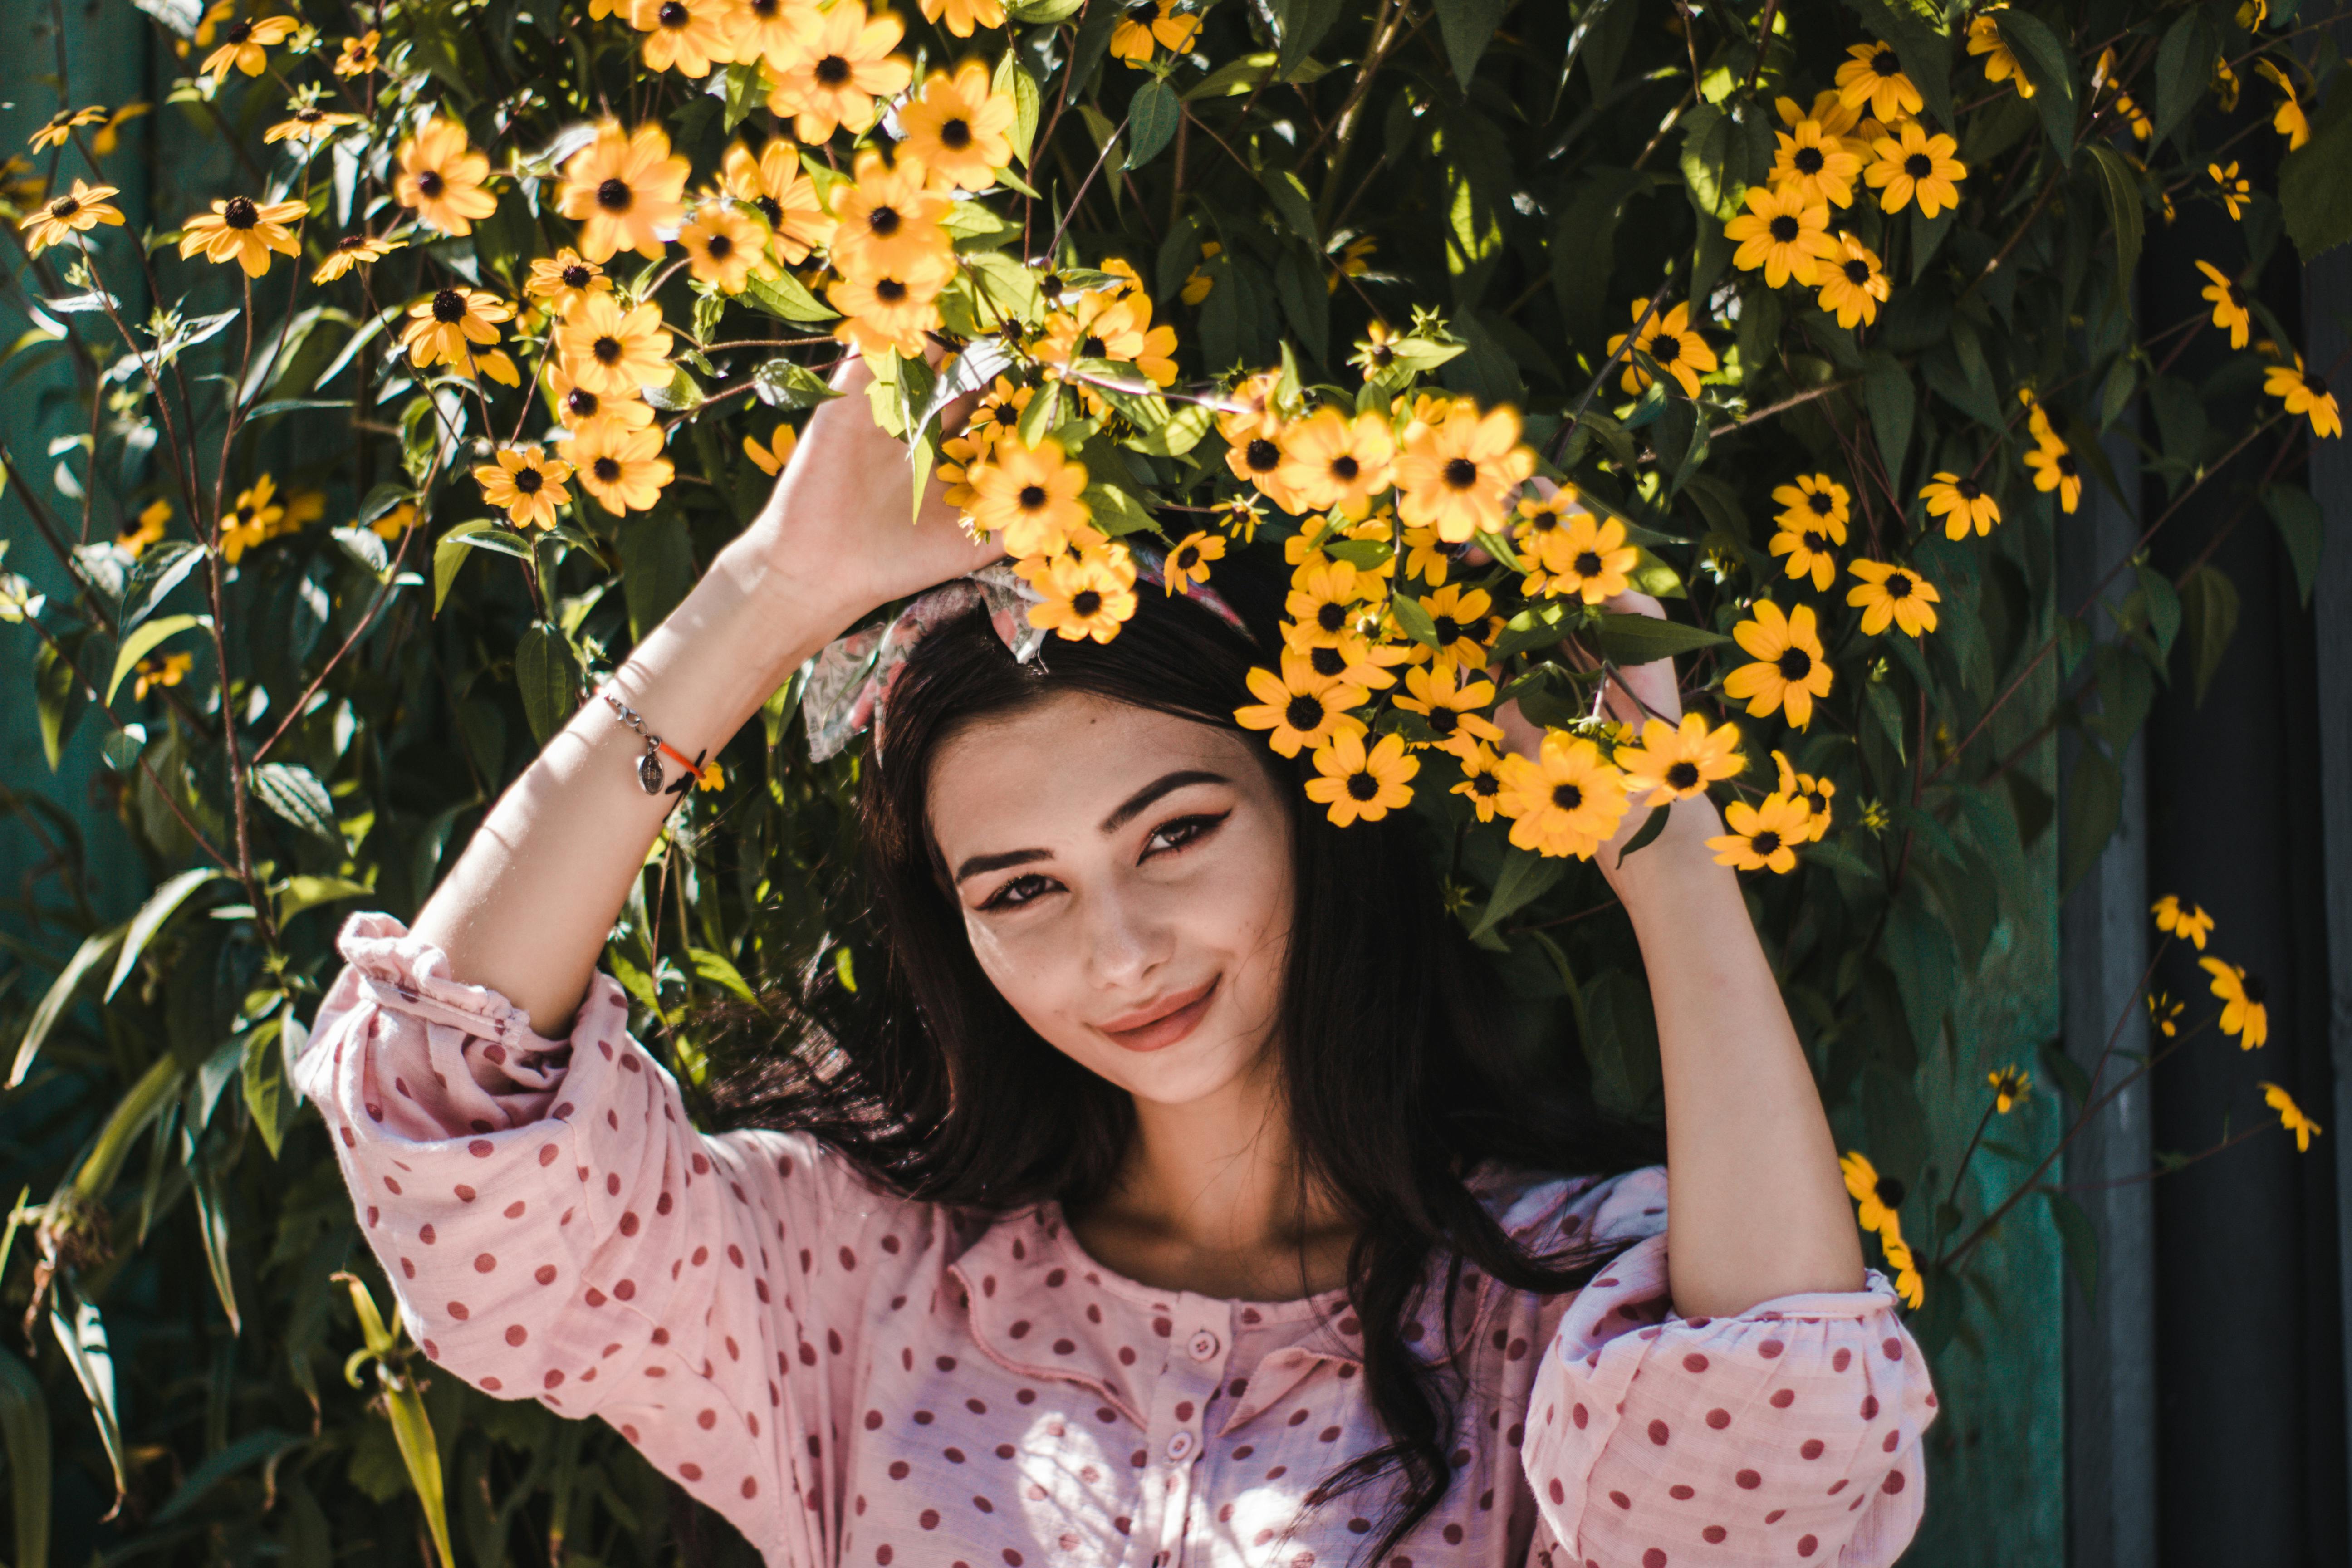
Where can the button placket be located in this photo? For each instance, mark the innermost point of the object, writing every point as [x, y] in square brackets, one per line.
[1196, 1364]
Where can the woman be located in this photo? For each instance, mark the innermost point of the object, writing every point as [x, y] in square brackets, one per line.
[1176, 1203]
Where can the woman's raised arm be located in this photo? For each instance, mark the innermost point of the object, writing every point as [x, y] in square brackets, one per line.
[526, 909]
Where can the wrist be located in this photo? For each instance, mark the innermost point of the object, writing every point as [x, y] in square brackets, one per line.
[1672, 864]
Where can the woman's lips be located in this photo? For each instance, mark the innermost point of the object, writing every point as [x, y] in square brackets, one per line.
[1163, 1023]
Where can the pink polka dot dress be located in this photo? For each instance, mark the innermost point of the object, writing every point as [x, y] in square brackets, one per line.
[853, 1378]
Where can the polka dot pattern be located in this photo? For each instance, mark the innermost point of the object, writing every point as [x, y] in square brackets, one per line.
[851, 1378]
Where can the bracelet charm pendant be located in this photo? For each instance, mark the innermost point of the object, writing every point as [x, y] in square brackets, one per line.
[649, 771]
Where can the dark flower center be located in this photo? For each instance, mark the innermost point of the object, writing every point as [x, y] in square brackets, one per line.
[1817, 542]
[1303, 713]
[2313, 385]
[1190, 557]
[351, 242]
[64, 206]
[1969, 490]
[766, 9]
[429, 184]
[674, 14]
[613, 195]
[1683, 776]
[578, 276]
[883, 221]
[1795, 664]
[1331, 616]
[1327, 662]
[1766, 843]
[607, 351]
[449, 306]
[1449, 630]
[238, 32]
[1444, 721]
[1363, 787]
[1005, 417]
[1384, 356]
[1918, 165]
[528, 480]
[956, 133]
[1093, 347]
[1144, 13]
[719, 246]
[607, 469]
[1808, 161]
[1031, 497]
[1898, 586]
[1050, 287]
[833, 71]
[240, 212]
[1567, 796]
[1086, 604]
[1820, 503]
[1588, 564]
[1261, 456]
[2067, 466]
[1886, 63]
[1784, 228]
[1461, 473]
[310, 114]
[890, 292]
[1485, 784]
[1889, 1192]
[2253, 986]
[581, 402]
[770, 209]
[1345, 469]
[1857, 272]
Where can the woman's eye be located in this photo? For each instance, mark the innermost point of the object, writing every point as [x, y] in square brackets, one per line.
[1018, 891]
[1177, 833]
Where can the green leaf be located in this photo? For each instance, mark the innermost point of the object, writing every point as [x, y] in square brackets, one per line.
[154, 576]
[159, 907]
[549, 680]
[413, 1430]
[2209, 614]
[1151, 121]
[1413, 620]
[2163, 607]
[1525, 877]
[656, 568]
[2126, 218]
[1300, 24]
[254, 1447]
[55, 689]
[2094, 807]
[785, 295]
[300, 893]
[1643, 639]
[716, 968]
[25, 1423]
[2302, 526]
[2080, 1240]
[263, 1078]
[295, 794]
[1887, 392]
[2051, 70]
[2314, 196]
[453, 551]
[1040, 13]
[60, 996]
[2184, 68]
[1651, 825]
[1292, 202]
[1467, 25]
[139, 644]
[83, 1338]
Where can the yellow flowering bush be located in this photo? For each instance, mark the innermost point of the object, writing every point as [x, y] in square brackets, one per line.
[1467, 319]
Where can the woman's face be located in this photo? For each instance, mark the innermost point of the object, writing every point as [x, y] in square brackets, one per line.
[1125, 877]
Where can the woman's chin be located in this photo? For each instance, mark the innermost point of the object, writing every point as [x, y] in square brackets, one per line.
[1206, 1062]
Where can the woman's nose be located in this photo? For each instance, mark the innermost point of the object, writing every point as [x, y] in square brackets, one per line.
[1127, 938]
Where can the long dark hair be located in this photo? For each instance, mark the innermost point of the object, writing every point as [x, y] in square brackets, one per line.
[1398, 1079]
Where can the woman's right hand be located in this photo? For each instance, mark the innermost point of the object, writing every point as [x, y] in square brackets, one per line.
[840, 530]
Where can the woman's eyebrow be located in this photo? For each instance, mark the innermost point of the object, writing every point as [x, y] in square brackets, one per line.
[980, 863]
[1166, 784]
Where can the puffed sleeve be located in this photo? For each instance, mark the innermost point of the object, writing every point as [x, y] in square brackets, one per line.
[555, 1228]
[1788, 1433]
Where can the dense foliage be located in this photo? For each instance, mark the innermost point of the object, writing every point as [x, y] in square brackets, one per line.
[1467, 315]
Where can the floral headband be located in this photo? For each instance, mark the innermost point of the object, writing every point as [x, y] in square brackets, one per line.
[850, 683]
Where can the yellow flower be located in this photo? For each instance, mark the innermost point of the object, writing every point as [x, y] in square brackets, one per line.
[2290, 120]
[1913, 164]
[623, 188]
[448, 326]
[1352, 262]
[2164, 1014]
[55, 131]
[1815, 792]
[1589, 558]
[1962, 503]
[1100, 325]
[2303, 1128]
[245, 47]
[108, 135]
[307, 123]
[358, 57]
[1089, 597]
[2305, 392]
[2230, 310]
[2055, 468]
[1451, 708]
[723, 246]
[1880, 1197]
[684, 36]
[301, 507]
[1667, 337]
[1814, 165]
[1189, 563]
[77, 212]
[564, 279]
[1814, 500]
[2243, 1013]
[1891, 593]
[2010, 1087]
[1810, 550]
[1359, 784]
[441, 176]
[1784, 235]
[771, 457]
[960, 17]
[135, 539]
[765, 30]
[1482, 781]
[1248, 412]
[529, 485]
[2037, 418]
[1676, 762]
[1790, 671]
[1459, 473]
[1874, 76]
[888, 222]
[1332, 463]
[842, 64]
[166, 669]
[1999, 64]
[1326, 602]
[395, 522]
[1465, 627]
[244, 231]
[1763, 836]
[1907, 1283]
[1828, 110]
[710, 776]
[775, 183]
[1852, 285]
[620, 467]
[2236, 189]
[1302, 707]
[611, 352]
[1565, 800]
[959, 129]
[354, 250]
[253, 518]
[1152, 23]
[2191, 924]
[888, 311]
[576, 408]
[1029, 498]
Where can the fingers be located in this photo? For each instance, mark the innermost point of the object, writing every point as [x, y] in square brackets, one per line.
[1630, 602]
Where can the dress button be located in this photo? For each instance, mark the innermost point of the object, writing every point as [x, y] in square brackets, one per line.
[1203, 1345]
[1180, 1445]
